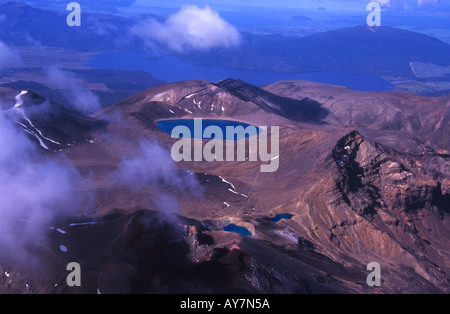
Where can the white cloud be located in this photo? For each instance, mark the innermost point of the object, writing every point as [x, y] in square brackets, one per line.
[8, 57]
[190, 28]
[34, 189]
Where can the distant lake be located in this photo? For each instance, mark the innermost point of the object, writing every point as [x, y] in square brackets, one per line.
[172, 69]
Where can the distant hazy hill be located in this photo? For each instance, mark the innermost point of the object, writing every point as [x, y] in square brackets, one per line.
[382, 51]
[98, 5]
[23, 25]
[109, 86]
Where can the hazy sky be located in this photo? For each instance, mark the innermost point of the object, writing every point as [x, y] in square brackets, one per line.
[348, 5]
[309, 4]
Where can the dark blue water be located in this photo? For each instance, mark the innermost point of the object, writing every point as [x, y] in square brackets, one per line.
[168, 125]
[237, 229]
[279, 217]
[173, 70]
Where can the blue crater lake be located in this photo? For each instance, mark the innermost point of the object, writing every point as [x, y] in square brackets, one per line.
[237, 229]
[280, 217]
[226, 128]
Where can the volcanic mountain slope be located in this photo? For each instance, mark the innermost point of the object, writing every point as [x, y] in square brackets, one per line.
[414, 118]
[365, 177]
[53, 126]
[364, 174]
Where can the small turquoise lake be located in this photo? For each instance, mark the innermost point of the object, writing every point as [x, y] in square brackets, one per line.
[279, 217]
[237, 229]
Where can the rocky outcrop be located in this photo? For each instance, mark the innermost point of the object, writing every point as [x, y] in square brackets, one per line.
[400, 207]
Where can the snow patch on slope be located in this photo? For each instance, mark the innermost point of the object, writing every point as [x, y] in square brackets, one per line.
[18, 114]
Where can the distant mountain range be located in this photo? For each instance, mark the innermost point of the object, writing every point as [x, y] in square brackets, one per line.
[382, 51]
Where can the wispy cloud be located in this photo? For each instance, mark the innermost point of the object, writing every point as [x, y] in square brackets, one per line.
[9, 57]
[72, 88]
[149, 165]
[425, 2]
[34, 190]
[191, 28]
